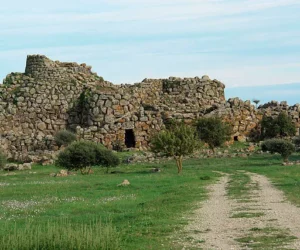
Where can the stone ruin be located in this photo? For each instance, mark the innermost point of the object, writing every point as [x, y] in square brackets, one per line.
[52, 96]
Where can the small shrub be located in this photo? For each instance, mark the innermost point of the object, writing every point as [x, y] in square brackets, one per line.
[2, 160]
[106, 158]
[170, 123]
[170, 84]
[178, 141]
[77, 156]
[64, 138]
[82, 155]
[280, 126]
[205, 178]
[283, 147]
[255, 134]
[213, 131]
[117, 146]
[149, 107]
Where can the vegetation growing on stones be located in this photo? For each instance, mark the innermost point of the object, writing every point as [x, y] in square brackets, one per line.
[170, 84]
[280, 126]
[178, 141]
[2, 160]
[82, 155]
[8, 80]
[99, 78]
[64, 138]
[283, 147]
[118, 146]
[213, 131]
[83, 105]
[148, 107]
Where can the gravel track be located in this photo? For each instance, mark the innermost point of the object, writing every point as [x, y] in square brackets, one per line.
[212, 226]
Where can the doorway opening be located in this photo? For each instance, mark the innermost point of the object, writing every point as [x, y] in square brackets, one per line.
[129, 138]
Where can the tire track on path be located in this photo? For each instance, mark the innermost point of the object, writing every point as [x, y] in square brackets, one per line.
[221, 220]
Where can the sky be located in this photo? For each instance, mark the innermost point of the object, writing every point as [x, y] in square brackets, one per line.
[266, 93]
[239, 42]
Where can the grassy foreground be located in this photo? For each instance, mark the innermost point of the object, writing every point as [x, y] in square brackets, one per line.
[139, 216]
[37, 209]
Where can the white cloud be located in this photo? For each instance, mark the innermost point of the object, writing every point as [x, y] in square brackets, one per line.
[133, 10]
[192, 37]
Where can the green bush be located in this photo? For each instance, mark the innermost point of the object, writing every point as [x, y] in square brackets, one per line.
[213, 131]
[106, 158]
[82, 155]
[178, 141]
[283, 147]
[117, 146]
[280, 126]
[2, 160]
[64, 138]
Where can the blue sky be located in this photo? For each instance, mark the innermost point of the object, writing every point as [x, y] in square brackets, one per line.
[267, 93]
[240, 42]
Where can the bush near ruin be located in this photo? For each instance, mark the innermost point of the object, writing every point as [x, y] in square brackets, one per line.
[106, 158]
[82, 155]
[64, 138]
[177, 141]
[283, 147]
[280, 126]
[213, 131]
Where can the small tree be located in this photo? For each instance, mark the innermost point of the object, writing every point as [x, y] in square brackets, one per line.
[2, 160]
[283, 147]
[256, 101]
[286, 125]
[268, 128]
[178, 141]
[213, 131]
[64, 138]
[82, 155]
[280, 126]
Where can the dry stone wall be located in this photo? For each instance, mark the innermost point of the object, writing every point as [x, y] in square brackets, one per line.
[52, 96]
[35, 105]
[241, 114]
[40, 67]
[144, 107]
[274, 108]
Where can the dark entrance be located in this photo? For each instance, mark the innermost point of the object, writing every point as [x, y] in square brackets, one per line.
[236, 138]
[129, 138]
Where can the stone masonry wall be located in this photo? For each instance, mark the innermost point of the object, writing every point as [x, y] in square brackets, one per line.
[144, 107]
[274, 108]
[35, 105]
[40, 67]
[52, 96]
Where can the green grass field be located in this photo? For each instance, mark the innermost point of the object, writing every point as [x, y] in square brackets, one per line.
[92, 212]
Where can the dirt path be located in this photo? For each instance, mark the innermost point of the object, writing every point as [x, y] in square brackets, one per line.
[263, 220]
